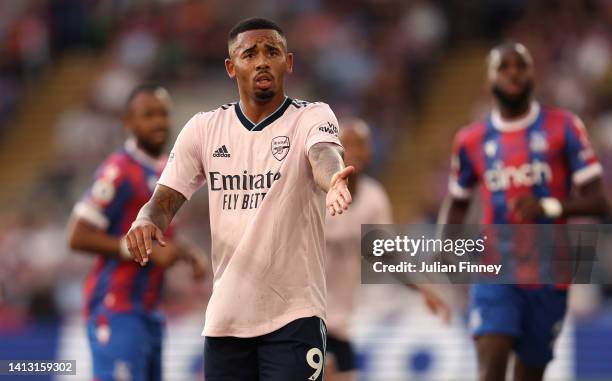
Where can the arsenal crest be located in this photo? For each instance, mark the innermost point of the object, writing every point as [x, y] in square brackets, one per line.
[280, 147]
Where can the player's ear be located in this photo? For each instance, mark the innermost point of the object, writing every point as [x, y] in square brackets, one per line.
[289, 63]
[229, 67]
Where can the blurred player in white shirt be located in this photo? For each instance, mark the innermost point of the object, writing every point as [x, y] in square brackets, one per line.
[343, 243]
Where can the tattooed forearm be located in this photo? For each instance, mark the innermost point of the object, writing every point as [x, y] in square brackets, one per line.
[325, 160]
[162, 207]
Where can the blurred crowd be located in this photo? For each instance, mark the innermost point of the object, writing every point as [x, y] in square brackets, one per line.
[367, 58]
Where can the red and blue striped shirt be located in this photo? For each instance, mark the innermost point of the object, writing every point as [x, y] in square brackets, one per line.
[543, 154]
[123, 184]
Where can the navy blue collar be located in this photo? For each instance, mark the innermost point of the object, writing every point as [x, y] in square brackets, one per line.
[266, 121]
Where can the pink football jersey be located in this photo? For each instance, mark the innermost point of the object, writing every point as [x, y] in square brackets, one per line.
[266, 212]
[343, 237]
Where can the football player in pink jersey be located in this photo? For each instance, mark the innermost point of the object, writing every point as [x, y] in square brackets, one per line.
[124, 325]
[273, 167]
[533, 165]
[343, 238]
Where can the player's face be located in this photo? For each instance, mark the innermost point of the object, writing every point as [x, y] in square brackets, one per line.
[513, 78]
[148, 119]
[356, 150]
[259, 61]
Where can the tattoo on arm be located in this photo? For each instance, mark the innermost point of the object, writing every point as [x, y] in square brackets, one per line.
[325, 160]
[162, 207]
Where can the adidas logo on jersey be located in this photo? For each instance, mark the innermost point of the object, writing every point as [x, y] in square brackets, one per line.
[221, 152]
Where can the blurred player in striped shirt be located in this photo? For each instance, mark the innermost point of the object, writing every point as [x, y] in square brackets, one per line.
[531, 165]
[123, 324]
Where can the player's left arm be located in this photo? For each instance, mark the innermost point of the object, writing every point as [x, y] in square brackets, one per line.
[91, 217]
[325, 154]
[588, 197]
[590, 200]
[326, 160]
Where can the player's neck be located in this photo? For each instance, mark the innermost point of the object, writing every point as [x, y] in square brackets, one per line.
[514, 112]
[152, 154]
[257, 111]
[139, 149]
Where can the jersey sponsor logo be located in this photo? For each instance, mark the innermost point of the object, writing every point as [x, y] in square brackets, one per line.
[280, 147]
[330, 128]
[502, 177]
[244, 181]
[257, 184]
[221, 152]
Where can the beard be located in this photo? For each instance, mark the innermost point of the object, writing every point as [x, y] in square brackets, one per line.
[151, 148]
[264, 95]
[514, 102]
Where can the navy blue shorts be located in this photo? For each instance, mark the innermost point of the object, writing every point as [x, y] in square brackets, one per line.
[532, 316]
[293, 352]
[342, 352]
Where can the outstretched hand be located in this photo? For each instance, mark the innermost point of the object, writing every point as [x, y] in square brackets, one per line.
[338, 197]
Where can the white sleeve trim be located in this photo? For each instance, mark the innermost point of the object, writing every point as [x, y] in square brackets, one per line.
[457, 191]
[588, 173]
[91, 214]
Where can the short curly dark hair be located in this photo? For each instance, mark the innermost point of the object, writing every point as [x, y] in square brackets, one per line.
[253, 24]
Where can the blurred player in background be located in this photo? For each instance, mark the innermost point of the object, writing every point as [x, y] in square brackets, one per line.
[123, 324]
[273, 165]
[343, 238]
[525, 159]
